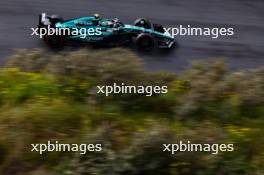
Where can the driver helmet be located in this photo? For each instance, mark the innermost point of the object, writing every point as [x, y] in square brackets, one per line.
[97, 16]
[116, 20]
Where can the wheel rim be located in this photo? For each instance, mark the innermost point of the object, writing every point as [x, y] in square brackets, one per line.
[54, 41]
[145, 43]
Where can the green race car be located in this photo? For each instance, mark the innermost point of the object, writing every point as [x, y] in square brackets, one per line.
[57, 32]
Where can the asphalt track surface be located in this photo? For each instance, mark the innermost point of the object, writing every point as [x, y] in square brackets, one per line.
[244, 50]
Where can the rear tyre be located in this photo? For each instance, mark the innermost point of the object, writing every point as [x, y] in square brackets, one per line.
[145, 42]
[55, 19]
[54, 41]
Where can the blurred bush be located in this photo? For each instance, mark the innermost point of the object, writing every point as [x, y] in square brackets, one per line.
[46, 96]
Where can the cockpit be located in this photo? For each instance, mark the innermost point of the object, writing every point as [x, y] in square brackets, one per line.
[111, 23]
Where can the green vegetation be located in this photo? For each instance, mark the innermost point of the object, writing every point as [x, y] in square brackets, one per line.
[47, 96]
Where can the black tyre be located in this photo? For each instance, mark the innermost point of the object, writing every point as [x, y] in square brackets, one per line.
[54, 41]
[141, 22]
[145, 42]
[158, 28]
[55, 19]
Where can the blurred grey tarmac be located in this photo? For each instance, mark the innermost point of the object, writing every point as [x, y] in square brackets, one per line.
[243, 50]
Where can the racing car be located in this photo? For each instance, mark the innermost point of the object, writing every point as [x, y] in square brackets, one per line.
[110, 32]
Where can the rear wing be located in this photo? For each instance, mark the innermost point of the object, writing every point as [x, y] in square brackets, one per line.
[44, 20]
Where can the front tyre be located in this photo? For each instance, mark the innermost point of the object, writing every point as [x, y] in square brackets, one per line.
[142, 22]
[145, 42]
